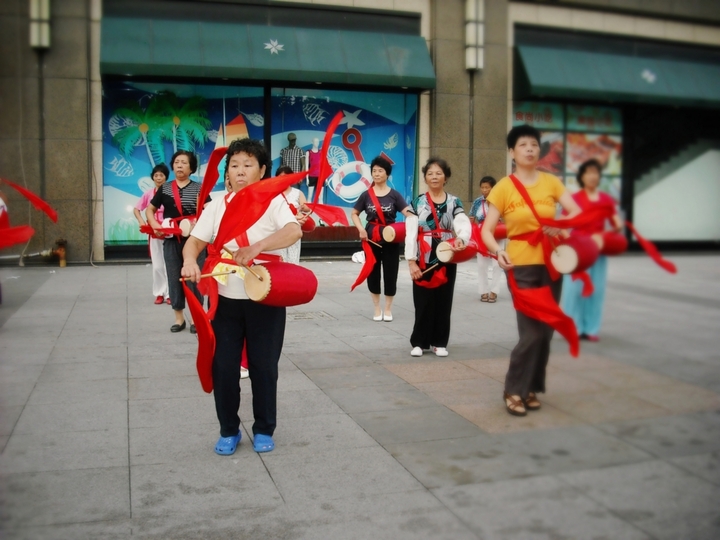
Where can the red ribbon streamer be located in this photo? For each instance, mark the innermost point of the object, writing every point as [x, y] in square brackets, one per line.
[367, 267]
[211, 176]
[15, 235]
[36, 201]
[206, 340]
[538, 303]
[588, 287]
[438, 278]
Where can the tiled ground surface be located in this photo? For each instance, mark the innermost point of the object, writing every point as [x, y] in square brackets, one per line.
[591, 389]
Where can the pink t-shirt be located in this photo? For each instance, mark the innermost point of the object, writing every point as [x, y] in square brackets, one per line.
[314, 163]
[144, 202]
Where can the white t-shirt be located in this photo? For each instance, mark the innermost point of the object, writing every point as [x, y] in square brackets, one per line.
[275, 218]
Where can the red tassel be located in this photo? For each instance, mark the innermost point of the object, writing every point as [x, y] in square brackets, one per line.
[211, 176]
[588, 287]
[15, 235]
[538, 303]
[438, 278]
[367, 267]
[206, 340]
[36, 201]
[652, 251]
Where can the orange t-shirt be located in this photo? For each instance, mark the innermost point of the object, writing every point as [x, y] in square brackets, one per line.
[519, 219]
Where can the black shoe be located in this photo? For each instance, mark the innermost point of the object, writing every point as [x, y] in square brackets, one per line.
[583, 336]
[177, 327]
[192, 329]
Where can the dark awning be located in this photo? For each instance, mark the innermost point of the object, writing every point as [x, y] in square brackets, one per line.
[564, 73]
[144, 47]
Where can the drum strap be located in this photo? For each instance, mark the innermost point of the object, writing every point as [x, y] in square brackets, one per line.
[380, 214]
[422, 234]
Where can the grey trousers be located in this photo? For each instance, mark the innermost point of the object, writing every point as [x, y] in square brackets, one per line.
[172, 253]
[529, 358]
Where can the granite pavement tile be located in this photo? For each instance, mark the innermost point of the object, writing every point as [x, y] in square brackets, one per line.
[657, 497]
[77, 496]
[363, 399]
[705, 466]
[542, 507]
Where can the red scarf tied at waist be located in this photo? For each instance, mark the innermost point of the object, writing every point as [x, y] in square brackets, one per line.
[370, 259]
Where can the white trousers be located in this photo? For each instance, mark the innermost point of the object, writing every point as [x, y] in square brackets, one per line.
[489, 275]
[160, 282]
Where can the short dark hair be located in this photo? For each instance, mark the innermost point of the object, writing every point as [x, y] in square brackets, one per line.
[252, 147]
[521, 131]
[192, 158]
[584, 167]
[488, 180]
[284, 169]
[440, 162]
[381, 162]
[160, 167]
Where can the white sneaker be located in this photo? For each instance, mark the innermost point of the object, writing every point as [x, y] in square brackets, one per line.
[440, 351]
[417, 351]
[244, 373]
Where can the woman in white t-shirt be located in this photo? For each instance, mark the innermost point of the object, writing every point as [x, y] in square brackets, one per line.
[238, 319]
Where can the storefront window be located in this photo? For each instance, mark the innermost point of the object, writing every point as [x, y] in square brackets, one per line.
[373, 124]
[572, 134]
[145, 123]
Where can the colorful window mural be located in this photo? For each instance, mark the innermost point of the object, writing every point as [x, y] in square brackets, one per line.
[572, 134]
[145, 123]
[373, 124]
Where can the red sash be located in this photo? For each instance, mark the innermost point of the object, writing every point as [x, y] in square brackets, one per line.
[376, 237]
[441, 274]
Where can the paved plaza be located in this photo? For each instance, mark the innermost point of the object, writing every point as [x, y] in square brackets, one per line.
[106, 433]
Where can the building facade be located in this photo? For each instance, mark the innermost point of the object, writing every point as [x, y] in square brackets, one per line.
[124, 83]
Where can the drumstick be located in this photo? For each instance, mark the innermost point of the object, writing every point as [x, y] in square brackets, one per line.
[428, 269]
[378, 245]
[226, 250]
[211, 275]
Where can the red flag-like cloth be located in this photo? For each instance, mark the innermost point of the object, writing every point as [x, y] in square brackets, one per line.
[652, 251]
[15, 235]
[367, 267]
[538, 303]
[211, 176]
[206, 340]
[36, 201]
[325, 168]
[438, 278]
[588, 287]
[332, 215]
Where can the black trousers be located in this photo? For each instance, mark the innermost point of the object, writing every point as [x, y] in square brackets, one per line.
[432, 311]
[529, 358]
[387, 262]
[264, 328]
[172, 253]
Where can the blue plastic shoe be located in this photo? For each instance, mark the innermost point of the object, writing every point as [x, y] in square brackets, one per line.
[226, 446]
[263, 443]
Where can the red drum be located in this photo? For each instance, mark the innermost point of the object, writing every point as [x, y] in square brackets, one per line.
[614, 243]
[283, 284]
[447, 255]
[309, 225]
[500, 231]
[575, 254]
[394, 233]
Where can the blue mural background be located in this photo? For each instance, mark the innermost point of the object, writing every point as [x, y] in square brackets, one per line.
[144, 123]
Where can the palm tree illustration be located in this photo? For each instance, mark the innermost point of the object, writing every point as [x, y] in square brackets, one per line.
[140, 126]
[186, 124]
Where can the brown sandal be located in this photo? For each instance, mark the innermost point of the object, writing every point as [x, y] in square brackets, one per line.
[516, 406]
[492, 298]
[484, 298]
[532, 403]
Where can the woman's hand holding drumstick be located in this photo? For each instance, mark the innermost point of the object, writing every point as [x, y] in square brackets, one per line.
[242, 257]
[209, 275]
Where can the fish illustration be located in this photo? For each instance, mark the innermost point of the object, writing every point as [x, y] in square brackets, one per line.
[408, 142]
[121, 167]
[391, 142]
[256, 120]
[314, 113]
[337, 157]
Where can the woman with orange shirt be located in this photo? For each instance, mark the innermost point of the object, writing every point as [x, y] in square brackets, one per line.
[525, 259]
